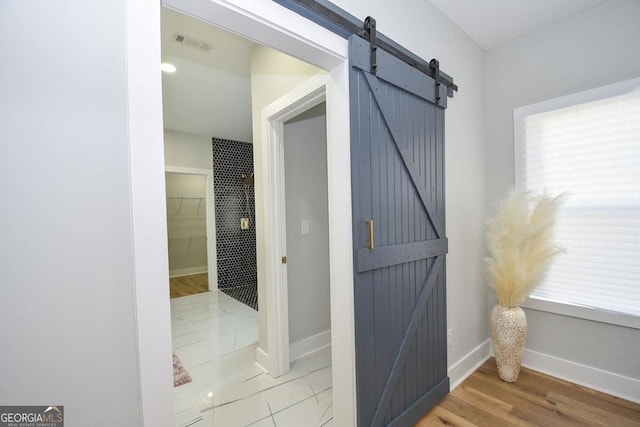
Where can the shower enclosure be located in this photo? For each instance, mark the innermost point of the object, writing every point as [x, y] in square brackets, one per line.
[235, 222]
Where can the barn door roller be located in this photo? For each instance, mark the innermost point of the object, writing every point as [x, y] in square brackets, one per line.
[434, 65]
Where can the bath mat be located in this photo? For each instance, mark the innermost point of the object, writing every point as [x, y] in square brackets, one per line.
[180, 374]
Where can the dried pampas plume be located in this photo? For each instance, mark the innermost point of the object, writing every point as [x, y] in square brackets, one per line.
[520, 243]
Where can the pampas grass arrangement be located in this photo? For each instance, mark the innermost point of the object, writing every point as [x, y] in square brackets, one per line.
[520, 243]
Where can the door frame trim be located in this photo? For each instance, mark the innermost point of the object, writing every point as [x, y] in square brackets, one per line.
[273, 117]
[268, 23]
[212, 257]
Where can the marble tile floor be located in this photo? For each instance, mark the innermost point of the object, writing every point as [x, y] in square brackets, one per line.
[215, 337]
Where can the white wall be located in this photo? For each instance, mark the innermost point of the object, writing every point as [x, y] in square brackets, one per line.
[423, 29]
[596, 47]
[188, 150]
[273, 74]
[305, 162]
[68, 310]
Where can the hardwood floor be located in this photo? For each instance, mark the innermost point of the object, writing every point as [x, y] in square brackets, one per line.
[535, 400]
[188, 285]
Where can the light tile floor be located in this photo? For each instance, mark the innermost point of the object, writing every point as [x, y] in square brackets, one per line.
[215, 337]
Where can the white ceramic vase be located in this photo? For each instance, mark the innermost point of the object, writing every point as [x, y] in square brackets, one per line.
[508, 333]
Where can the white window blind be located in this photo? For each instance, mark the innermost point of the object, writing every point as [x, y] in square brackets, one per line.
[587, 145]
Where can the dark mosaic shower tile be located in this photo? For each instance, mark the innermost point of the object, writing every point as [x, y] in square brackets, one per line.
[246, 294]
[236, 248]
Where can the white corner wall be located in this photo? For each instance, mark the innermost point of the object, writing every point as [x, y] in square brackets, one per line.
[188, 150]
[422, 28]
[591, 49]
[70, 329]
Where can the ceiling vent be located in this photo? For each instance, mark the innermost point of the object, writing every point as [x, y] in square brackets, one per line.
[192, 42]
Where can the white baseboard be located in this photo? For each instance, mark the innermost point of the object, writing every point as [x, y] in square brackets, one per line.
[178, 272]
[262, 359]
[468, 364]
[309, 345]
[588, 376]
[597, 379]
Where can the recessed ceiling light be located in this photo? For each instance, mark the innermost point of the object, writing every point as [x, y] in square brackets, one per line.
[168, 68]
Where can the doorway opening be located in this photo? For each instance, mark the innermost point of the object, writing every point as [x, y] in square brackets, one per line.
[187, 234]
[307, 232]
[294, 132]
[215, 337]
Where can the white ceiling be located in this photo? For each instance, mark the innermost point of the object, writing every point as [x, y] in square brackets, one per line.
[210, 92]
[493, 22]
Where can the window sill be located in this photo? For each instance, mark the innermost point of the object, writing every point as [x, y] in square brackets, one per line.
[581, 312]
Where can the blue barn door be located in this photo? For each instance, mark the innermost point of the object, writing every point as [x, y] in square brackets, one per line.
[397, 149]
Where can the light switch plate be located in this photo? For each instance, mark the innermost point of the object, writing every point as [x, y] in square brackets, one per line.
[304, 227]
[244, 223]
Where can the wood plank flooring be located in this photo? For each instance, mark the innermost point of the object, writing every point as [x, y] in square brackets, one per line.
[535, 400]
[188, 285]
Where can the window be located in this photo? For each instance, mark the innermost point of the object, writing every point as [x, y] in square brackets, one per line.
[587, 145]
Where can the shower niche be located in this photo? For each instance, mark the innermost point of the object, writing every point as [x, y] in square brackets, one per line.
[233, 183]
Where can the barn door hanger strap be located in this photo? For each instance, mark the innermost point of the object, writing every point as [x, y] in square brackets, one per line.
[372, 36]
[434, 65]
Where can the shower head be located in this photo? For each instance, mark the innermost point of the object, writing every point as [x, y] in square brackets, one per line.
[247, 179]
